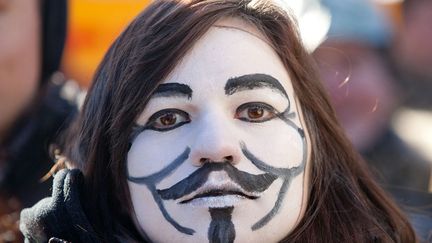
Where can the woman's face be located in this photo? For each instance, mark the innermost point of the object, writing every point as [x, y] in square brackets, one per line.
[220, 151]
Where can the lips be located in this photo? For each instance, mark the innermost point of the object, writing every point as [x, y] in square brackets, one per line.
[219, 193]
[218, 187]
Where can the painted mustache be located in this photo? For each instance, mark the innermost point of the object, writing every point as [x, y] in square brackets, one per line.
[235, 182]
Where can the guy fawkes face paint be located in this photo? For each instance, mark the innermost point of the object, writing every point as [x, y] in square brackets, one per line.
[219, 154]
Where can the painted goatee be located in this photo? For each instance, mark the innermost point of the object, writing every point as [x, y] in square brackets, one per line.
[221, 228]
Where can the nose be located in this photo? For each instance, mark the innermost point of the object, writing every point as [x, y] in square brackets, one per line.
[216, 141]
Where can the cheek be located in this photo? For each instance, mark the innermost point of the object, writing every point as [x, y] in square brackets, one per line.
[276, 143]
[151, 151]
[143, 204]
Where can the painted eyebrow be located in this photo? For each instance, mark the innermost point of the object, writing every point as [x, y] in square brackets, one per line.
[173, 90]
[253, 81]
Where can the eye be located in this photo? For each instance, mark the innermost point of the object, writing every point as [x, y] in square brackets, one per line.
[167, 119]
[255, 112]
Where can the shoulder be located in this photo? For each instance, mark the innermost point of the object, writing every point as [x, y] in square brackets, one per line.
[26, 148]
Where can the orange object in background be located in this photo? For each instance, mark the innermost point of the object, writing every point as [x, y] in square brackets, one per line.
[93, 26]
[393, 9]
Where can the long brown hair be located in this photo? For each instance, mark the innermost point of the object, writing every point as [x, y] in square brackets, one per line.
[345, 204]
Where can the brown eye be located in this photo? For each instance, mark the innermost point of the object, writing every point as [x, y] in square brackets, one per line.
[167, 119]
[255, 112]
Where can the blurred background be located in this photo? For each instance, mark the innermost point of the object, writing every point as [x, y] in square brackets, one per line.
[93, 26]
[376, 64]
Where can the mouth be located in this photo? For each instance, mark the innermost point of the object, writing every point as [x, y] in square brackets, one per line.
[218, 191]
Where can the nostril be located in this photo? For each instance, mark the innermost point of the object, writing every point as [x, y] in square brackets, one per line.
[226, 159]
[229, 159]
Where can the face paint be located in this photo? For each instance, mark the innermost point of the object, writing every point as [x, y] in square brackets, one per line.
[227, 163]
[221, 227]
[253, 81]
[150, 182]
[173, 89]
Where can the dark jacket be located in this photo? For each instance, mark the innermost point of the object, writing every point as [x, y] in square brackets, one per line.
[25, 155]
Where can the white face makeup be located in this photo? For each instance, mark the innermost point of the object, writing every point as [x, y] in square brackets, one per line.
[219, 152]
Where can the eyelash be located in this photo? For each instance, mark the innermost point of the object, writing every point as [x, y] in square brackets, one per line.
[272, 112]
[154, 121]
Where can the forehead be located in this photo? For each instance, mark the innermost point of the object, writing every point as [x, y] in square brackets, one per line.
[230, 48]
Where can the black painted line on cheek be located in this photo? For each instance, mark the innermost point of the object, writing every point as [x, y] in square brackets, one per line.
[164, 212]
[151, 181]
[287, 174]
[269, 216]
[221, 229]
[279, 172]
[162, 174]
[136, 130]
[286, 115]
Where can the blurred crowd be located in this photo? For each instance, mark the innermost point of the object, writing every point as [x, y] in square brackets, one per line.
[363, 63]
[36, 103]
[376, 61]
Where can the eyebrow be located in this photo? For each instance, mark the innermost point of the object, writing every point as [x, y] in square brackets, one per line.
[173, 90]
[253, 81]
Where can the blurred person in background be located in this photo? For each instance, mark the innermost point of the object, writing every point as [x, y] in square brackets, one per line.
[365, 92]
[413, 53]
[359, 75]
[35, 101]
